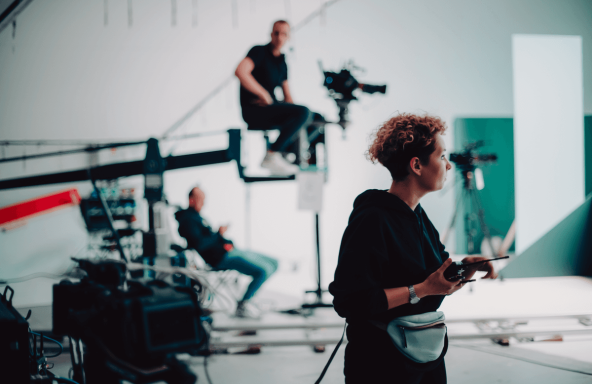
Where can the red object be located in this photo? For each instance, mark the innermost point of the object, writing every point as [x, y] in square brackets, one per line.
[38, 206]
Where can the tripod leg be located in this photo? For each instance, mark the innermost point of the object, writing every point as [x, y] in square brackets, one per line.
[469, 230]
[482, 223]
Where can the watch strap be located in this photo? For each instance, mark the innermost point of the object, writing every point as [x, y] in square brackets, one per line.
[413, 299]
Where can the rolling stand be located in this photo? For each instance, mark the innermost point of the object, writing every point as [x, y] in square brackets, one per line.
[319, 291]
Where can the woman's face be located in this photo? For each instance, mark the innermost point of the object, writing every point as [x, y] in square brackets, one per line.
[433, 174]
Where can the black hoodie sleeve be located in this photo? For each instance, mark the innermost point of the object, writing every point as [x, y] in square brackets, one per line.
[362, 260]
[435, 238]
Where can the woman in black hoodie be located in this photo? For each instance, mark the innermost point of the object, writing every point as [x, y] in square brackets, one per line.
[391, 260]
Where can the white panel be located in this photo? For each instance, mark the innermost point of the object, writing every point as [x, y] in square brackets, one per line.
[548, 132]
[310, 190]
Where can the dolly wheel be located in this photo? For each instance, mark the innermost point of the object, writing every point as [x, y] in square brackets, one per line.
[318, 348]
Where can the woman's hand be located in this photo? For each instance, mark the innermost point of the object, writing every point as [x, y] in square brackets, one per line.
[485, 267]
[436, 283]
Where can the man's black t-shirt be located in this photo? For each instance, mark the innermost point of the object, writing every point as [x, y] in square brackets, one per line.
[270, 71]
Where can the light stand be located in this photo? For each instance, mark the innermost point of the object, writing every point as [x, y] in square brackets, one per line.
[469, 195]
[319, 291]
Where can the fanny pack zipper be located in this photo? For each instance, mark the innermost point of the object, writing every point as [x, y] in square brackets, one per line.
[403, 328]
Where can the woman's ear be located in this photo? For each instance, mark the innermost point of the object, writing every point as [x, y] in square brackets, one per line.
[415, 166]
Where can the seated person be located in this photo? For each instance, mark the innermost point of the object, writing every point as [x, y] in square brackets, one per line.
[220, 253]
[260, 73]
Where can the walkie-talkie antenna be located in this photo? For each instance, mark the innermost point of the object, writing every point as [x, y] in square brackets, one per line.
[484, 261]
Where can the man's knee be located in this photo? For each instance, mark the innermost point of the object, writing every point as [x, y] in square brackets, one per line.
[258, 273]
[303, 114]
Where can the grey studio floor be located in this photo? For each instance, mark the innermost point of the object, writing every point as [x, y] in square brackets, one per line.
[465, 365]
[468, 361]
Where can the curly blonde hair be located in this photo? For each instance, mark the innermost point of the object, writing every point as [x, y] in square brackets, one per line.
[402, 138]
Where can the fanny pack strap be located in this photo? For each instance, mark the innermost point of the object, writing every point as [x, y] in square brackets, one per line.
[332, 356]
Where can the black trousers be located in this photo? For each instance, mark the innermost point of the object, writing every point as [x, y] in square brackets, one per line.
[371, 357]
[289, 118]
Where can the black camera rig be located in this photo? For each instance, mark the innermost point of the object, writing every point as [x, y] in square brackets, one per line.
[467, 160]
[131, 328]
[341, 87]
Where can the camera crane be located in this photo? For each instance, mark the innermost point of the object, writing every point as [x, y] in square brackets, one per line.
[341, 87]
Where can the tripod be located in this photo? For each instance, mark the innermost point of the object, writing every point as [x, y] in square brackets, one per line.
[319, 291]
[468, 195]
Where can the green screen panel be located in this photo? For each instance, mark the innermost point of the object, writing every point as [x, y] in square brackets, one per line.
[497, 198]
[498, 195]
[566, 250]
[588, 153]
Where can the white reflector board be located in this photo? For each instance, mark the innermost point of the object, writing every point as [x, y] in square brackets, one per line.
[548, 132]
[310, 190]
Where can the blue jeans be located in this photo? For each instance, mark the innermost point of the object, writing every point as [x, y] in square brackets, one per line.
[256, 265]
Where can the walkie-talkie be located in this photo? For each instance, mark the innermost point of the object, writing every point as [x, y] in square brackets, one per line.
[457, 268]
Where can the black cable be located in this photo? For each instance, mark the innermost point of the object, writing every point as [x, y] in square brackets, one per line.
[50, 339]
[209, 350]
[522, 359]
[206, 369]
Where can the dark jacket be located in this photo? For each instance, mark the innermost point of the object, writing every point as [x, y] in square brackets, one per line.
[385, 245]
[199, 235]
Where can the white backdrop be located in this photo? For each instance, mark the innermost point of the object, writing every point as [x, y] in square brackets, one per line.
[67, 75]
[548, 132]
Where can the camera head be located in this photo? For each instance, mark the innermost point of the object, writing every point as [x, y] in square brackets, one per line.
[341, 87]
[467, 160]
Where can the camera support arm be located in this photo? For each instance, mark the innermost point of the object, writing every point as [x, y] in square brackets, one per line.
[131, 168]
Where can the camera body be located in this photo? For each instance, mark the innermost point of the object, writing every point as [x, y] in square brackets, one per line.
[467, 159]
[341, 86]
[142, 323]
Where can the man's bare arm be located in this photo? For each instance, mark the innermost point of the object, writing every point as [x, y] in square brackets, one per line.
[243, 72]
[287, 94]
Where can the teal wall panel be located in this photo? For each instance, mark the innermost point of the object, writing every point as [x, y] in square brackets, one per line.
[566, 250]
[588, 154]
[497, 197]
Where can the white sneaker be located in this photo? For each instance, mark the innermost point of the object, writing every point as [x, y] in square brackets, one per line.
[276, 163]
[247, 310]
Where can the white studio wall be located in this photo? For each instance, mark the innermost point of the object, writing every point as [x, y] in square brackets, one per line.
[66, 72]
[548, 132]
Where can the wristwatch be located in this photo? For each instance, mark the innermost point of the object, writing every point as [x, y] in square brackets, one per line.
[413, 299]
